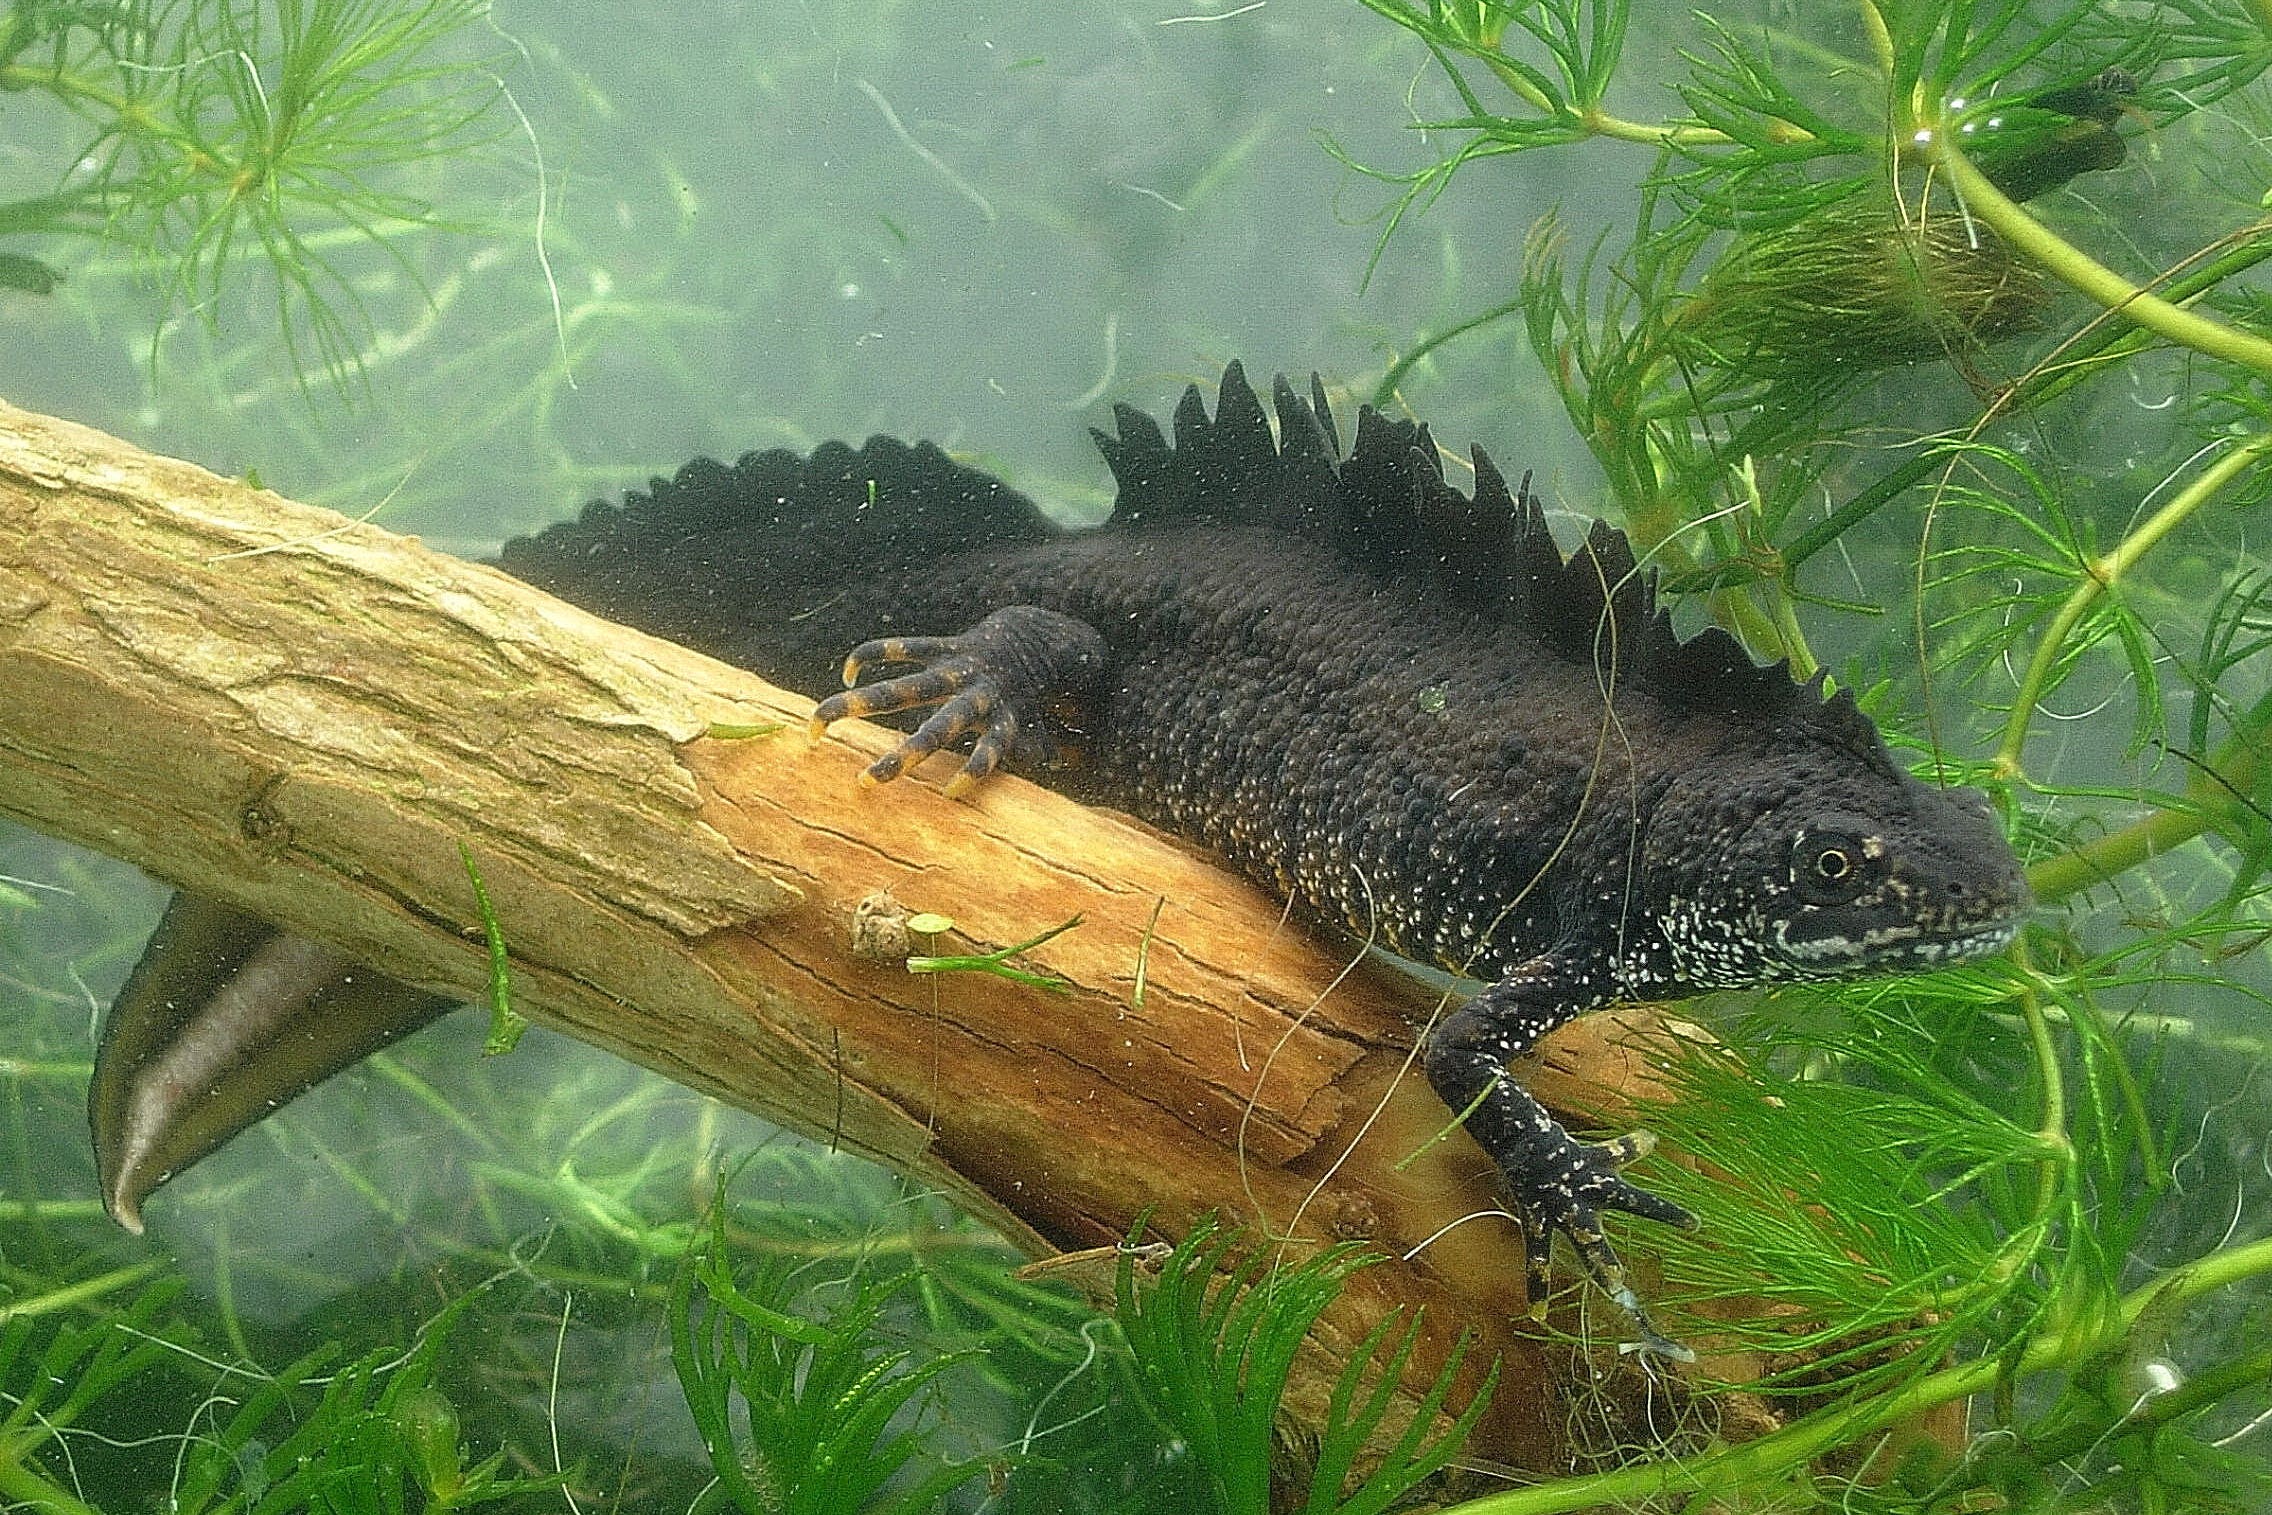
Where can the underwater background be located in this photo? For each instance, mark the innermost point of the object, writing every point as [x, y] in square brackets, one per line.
[708, 228]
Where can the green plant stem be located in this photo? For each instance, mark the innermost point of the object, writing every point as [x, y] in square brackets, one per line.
[2194, 1394]
[505, 1023]
[1654, 521]
[997, 962]
[1384, 393]
[2100, 575]
[126, 114]
[2097, 861]
[72, 1295]
[2077, 361]
[65, 85]
[1596, 122]
[1791, 636]
[2211, 796]
[1843, 1425]
[2058, 1150]
[68, 1071]
[2072, 365]
[1784, 562]
[1589, 119]
[2072, 266]
[23, 1487]
[1600, 123]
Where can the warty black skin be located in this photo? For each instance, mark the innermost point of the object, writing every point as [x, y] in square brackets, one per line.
[1296, 660]
[1393, 702]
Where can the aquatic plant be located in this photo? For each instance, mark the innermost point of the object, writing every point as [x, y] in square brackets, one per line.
[1213, 1328]
[1968, 1185]
[375, 1434]
[214, 132]
[821, 1426]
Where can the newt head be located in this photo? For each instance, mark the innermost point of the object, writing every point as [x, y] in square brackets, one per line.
[1912, 887]
[1817, 860]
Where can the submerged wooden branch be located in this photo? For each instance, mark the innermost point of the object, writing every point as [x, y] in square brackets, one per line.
[305, 717]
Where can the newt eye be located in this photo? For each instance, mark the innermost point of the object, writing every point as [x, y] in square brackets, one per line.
[1829, 867]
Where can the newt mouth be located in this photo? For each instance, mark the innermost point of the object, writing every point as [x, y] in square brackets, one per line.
[1891, 949]
[1978, 941]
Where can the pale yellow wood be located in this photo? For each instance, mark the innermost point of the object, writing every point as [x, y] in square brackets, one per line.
[304, 717]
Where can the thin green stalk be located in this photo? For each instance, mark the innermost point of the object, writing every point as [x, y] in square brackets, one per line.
[73, 1295]
[1596, 122]
[997, 962]
[1601, 123]
[2051, 1132]
[2072, 266]
[1791, 636]
[2068, 367]
[2094, 862]
[2212, 795]
[65, 85]
[1831, 527]
[72, 1071]
[23, 1487]
[2100, 575]
[2196, 1393]
[1384, 393]
[128, 114]
[1844, 1425]
[1521, 88]
[52, 1209]
[1654, 523]
[2103, 342]
[505, 1023]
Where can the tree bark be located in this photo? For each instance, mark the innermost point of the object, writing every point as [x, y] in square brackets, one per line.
[304, 717]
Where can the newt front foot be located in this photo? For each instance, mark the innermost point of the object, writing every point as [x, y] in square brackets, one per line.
[1566, 1192]
[1008, 684]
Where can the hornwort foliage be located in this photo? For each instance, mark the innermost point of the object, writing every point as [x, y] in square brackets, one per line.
[1970, 1183]
[215, 132]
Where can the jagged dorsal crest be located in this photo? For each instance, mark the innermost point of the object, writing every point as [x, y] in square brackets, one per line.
[1836, 720]
[662, 558]
[1388, 507]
